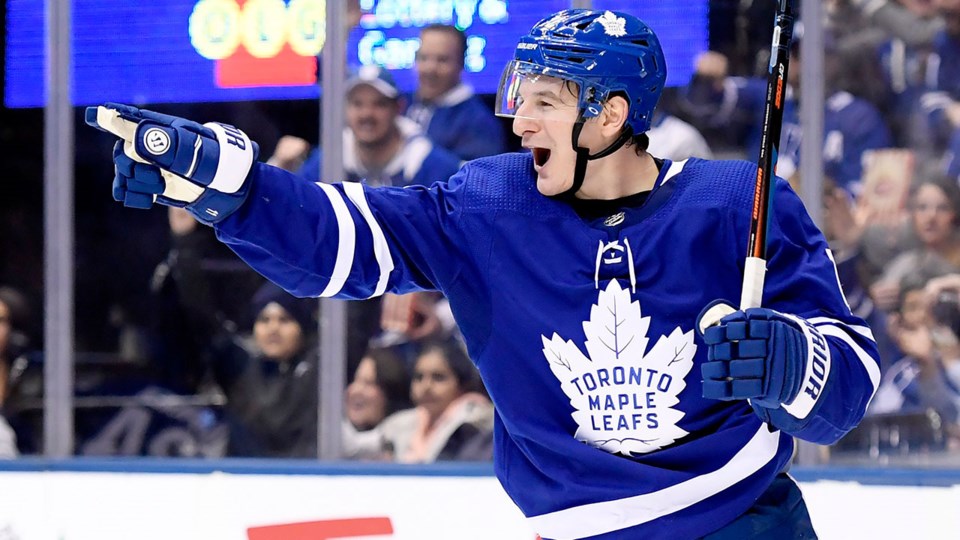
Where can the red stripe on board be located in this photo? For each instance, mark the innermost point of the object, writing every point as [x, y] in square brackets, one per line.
[323, 530]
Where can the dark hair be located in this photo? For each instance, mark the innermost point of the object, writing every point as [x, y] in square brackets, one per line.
[301, 309]
[457, 34]
[392, 377]
[947, 185]
[910, 283]
[18, 307]
[640, 141]
[460, 364]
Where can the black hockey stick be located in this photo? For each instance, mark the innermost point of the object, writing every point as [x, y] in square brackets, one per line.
[756, 264]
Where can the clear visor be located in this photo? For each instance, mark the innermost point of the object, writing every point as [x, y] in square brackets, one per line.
[537, 93]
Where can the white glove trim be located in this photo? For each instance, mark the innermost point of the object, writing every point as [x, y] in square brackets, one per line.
[179, 188]
[196, 155]
[816, 371]
[236, 158]
[110, 120]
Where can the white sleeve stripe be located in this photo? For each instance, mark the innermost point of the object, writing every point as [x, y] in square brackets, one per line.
[862, 330]
[608, 516]
[873, 371]
[836, 274]
[346, 245]
[354, 191]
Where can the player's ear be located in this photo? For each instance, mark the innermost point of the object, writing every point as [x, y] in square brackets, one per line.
[615, 112]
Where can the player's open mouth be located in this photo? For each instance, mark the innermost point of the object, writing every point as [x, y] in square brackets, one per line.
[540, 156]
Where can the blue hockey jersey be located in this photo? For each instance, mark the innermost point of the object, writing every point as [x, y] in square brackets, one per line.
[460, 122]
[583, 331]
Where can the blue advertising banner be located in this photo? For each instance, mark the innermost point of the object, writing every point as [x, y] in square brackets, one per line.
[184, 51]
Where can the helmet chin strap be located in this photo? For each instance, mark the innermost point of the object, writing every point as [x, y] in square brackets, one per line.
[583, 155]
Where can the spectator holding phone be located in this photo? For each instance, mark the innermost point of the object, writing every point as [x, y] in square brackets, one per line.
[927, 377]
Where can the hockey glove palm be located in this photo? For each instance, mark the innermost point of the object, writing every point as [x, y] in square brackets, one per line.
[176, 162]
[757, 354]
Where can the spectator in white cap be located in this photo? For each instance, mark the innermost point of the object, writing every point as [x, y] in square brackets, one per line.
[380, 147]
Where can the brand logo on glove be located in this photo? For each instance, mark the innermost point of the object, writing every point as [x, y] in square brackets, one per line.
[156, 141]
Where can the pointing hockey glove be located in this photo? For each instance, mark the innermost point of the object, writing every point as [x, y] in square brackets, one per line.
[772, 359]
[176, 162]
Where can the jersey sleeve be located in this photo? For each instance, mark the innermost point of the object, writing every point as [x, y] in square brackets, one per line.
[348, 240]
[802, 281]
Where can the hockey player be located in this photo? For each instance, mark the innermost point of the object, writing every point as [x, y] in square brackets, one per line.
[576, 271]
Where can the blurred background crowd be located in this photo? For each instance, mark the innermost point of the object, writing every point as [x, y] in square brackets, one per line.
[181, 350]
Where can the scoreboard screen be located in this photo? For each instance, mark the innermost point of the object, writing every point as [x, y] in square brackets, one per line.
[184, 51]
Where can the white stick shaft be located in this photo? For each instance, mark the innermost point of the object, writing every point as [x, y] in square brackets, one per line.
[753, 275]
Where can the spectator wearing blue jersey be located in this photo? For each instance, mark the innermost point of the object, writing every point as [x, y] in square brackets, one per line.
[584, 275]
[943, 103]
[446, 107]
[380, 146]
[852, 125]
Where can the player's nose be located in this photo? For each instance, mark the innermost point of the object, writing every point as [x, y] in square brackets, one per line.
[525, 124]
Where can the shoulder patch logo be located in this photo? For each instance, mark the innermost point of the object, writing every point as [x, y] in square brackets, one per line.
[613, 25]
[623, 394]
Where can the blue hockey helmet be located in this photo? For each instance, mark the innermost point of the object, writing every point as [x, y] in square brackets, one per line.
[604, 52]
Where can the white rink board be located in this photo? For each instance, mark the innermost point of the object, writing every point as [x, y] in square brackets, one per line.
[125, 506]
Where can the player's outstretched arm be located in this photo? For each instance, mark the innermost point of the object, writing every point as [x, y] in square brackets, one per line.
[312, 239]
[172, 161]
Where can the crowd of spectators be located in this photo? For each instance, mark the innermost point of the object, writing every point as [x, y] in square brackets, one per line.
[203, 324]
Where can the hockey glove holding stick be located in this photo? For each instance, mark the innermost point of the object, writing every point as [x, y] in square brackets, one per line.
[176, 162]
[772, 359]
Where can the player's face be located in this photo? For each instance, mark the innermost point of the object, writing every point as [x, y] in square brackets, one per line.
[276, 333]
[434, 385]
[544, 121]
[366, 404]
[370, 115]
[439, 62]
[933, 216]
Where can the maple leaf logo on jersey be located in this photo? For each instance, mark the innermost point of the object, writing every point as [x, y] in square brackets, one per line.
[623, 395]
[613, 25]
